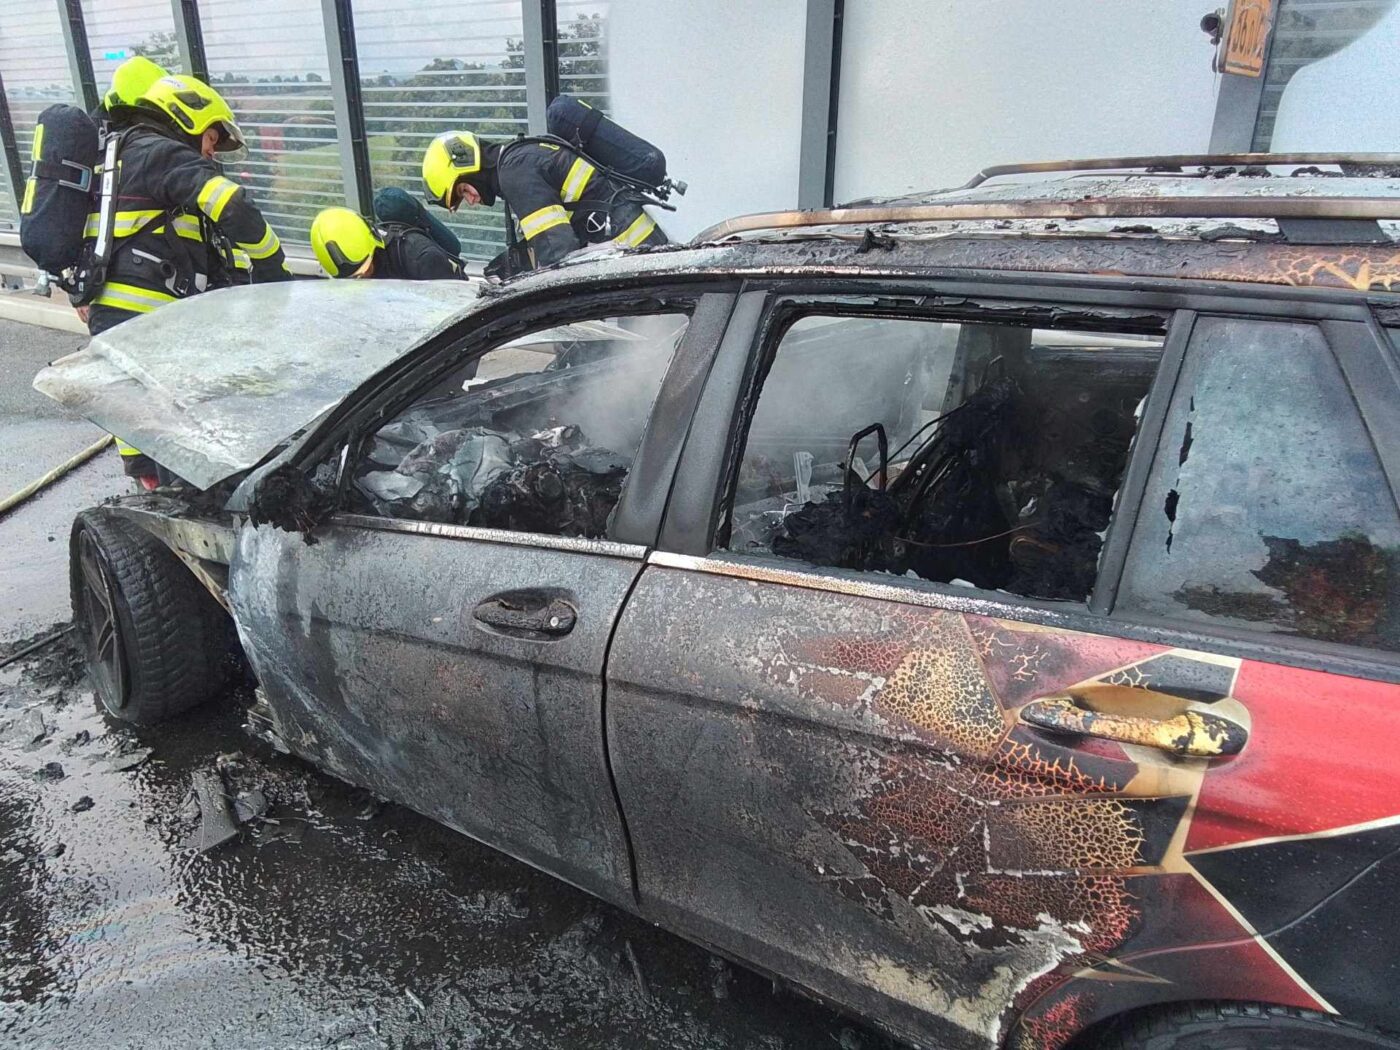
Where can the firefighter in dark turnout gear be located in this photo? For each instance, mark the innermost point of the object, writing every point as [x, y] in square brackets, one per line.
[181, 227]
[347, 246]
[560, 200]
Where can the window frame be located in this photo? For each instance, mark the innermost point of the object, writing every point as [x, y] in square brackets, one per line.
[710, 458]
[637, 517]
[787, 305]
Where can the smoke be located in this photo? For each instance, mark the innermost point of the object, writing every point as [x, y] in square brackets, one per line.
[612, 409]
[834, 376]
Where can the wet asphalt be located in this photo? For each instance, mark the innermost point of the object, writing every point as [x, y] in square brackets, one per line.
[332, 919]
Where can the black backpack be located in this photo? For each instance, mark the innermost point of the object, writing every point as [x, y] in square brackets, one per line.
[61, 192]
[65, 186]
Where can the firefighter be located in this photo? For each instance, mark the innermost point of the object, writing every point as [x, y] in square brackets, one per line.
[560, 200]
[181, 227]
[347, 246]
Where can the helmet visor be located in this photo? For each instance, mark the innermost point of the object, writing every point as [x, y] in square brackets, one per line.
[231, 145]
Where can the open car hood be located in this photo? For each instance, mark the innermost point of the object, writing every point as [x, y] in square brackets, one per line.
[208, 386]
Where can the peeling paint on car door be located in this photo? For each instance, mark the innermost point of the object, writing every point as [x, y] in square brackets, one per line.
[851, 801]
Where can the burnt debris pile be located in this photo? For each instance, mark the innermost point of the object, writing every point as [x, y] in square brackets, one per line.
[537, 436]
[1010, 490]
[553, 481]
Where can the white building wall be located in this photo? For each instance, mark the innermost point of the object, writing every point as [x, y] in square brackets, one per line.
[933, 90]
[717, 85]
[1347, 102]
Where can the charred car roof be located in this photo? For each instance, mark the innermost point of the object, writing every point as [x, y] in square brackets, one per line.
[1327, 220]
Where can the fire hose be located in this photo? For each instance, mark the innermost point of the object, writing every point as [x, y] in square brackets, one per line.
[16, 498]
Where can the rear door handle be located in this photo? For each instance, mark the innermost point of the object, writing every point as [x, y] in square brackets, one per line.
[1192, 733]
[512, 615]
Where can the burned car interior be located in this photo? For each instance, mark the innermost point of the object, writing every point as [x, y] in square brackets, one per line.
[535, 435]
[968, 452]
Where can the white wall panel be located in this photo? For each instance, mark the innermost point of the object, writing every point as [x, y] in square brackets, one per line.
[1349, 101]
[718, 87]
[933, 90]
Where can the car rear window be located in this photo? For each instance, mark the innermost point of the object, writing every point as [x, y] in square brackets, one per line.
[1267, 507]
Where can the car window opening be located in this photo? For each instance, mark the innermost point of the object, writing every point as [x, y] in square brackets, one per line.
[1269, 513]
[537, 435]
[986, 455]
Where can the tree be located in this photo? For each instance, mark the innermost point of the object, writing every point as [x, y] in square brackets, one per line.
[583, 68]
[161, 48]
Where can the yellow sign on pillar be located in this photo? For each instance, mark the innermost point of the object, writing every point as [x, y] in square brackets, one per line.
[1247, 36]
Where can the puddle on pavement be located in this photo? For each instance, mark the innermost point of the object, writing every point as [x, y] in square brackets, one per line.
[338, 921]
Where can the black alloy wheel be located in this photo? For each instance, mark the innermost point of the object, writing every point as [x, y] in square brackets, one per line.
[157, 643]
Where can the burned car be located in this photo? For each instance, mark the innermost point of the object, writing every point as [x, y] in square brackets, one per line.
[981, 610]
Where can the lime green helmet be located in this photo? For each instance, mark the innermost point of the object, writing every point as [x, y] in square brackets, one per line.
[132, 79]
[194, 107]
[451, 156]
[343, 242]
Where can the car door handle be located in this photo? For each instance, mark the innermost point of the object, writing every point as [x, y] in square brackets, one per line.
[1192, 733]
[513, 614]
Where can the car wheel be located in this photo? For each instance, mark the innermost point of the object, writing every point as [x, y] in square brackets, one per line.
[155, 640]
[1237, 1026]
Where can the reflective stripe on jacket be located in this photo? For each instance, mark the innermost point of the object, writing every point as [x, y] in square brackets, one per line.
[181, 227]
[562, 201]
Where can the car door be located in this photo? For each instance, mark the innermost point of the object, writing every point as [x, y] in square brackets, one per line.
[457, 669]
[852, 797]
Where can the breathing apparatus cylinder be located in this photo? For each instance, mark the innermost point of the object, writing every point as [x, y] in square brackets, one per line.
[605, 140]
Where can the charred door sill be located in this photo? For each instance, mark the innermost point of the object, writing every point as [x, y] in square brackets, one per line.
[573, 544]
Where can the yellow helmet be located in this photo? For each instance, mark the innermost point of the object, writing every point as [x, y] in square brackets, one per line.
[132, 79]
[450, 156]
[195, 107]
[343, 242]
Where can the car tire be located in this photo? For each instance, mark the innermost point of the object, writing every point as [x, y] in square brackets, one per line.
[1237, 1026]
[156, 641]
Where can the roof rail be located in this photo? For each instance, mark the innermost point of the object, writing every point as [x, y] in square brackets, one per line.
[952, 209]
[1183, 160]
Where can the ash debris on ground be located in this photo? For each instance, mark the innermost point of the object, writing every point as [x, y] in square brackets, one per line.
[330, 919]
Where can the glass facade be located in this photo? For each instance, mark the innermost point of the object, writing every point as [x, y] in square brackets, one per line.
[418, 81]
[269, 61]
[120, 29]
[34, 64]
[583, 51]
